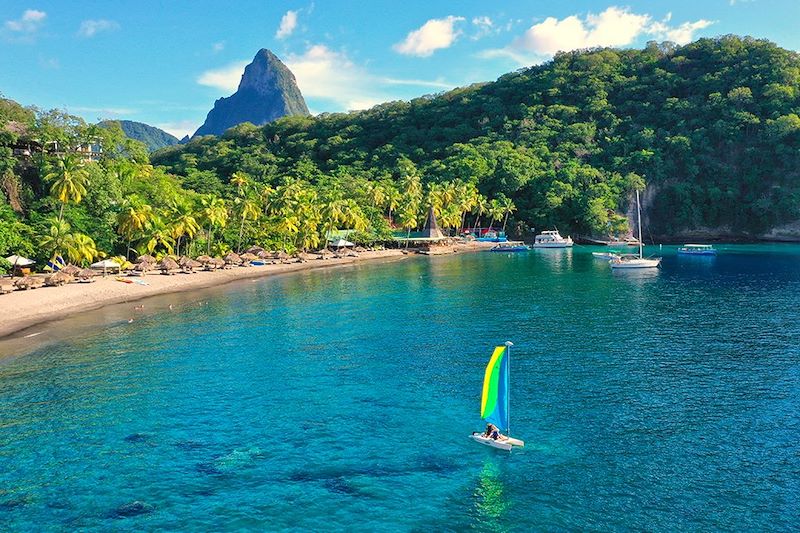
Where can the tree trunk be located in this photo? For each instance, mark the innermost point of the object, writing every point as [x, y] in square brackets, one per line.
[208, 248]
[505, 220]
[241, 231]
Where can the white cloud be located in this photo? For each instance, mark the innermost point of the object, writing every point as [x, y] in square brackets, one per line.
[179, 128]
[90, 28]
[614, 27]
[218, 47]
[327, 75]
[28, 23]
[484, 26]
[287, 26]
[431, 36]
[103, 112]
[225, 78]
[681, 34]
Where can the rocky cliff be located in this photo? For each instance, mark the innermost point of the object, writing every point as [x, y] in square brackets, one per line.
[266, 92]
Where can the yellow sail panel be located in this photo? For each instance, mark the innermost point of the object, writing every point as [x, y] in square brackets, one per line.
[490, 382]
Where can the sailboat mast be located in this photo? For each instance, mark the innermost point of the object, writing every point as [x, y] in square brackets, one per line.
[639, 216]
[509, 344]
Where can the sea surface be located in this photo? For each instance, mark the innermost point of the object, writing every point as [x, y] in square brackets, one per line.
[342, 399]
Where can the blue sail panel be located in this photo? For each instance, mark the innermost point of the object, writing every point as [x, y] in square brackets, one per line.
[499, 416]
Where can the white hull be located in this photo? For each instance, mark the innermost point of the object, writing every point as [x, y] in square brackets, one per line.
[635, 263]
[501, 444]
[567, 244]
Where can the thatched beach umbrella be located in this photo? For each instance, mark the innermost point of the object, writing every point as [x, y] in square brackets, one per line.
[72, 270]
[255, 250]
[86, 275]
[247, 257]
[204, 259]
[360, 249]
[58, 279]
[304, 256]
[106, 265]
[283, 256]
[141, 268]
[168, 266]
[325, 254]
[147, 259]
[232, 258]
[216, 262]
[189, 264]
[29, 282]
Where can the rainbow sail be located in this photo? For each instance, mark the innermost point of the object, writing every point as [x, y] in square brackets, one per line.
[494, 402]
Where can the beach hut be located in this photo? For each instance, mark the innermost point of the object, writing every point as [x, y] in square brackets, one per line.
[21, 265]
[105, 265]
[86, 275]
[168, 266]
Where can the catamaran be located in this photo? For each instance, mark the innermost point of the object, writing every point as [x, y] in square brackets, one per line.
[635, 261]
[495, 399]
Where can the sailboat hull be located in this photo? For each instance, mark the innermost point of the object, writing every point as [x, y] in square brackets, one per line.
[500, 445]
[635, 263]
[504, 444]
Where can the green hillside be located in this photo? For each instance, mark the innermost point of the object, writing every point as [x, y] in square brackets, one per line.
[152, 137]
[712, 127]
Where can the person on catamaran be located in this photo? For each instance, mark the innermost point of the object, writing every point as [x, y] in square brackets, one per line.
[492, 432]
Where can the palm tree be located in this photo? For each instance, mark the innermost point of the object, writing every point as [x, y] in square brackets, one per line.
[496, 211]
[81, 248]
[68, 181]
[393, 198]
[215, 214]
[480, 208]
[183, 223]
[132, 221]
[249, 211]
[56, 238]
[508, 206]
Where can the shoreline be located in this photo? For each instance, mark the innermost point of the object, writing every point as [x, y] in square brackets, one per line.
[23, 309]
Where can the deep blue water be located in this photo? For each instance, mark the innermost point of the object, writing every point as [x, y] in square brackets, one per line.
[340, 399]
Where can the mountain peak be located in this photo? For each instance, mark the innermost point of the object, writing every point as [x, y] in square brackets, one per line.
[267, 91]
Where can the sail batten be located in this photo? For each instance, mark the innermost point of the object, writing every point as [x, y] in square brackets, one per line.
[494, 401]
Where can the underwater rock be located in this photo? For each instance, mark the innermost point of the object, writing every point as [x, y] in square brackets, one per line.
[134, 508]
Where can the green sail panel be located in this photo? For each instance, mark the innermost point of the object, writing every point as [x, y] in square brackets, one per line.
[494, 401]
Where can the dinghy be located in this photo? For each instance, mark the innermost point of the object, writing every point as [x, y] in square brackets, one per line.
[495, 399]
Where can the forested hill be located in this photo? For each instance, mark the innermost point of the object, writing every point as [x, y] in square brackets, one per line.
[712, 128]
[154, 138]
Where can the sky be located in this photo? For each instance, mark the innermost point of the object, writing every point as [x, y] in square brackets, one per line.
[164, 63]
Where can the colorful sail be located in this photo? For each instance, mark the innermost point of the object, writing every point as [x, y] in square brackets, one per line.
[494, 403]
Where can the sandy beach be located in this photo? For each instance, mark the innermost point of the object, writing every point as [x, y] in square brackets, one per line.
[22, 309]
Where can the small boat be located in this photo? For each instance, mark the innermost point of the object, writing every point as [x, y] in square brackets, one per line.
[551, 239]
[492, 236]
[631, 261]
[510, 246]
[697, 249]
[494, 401]
[605, 256]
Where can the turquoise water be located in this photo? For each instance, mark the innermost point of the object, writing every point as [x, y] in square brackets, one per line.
[343, 398]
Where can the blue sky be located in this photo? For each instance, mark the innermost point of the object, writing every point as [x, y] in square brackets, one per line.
[164, 63]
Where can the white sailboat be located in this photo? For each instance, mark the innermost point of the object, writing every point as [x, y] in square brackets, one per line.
[631, 261]
[495, 400]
